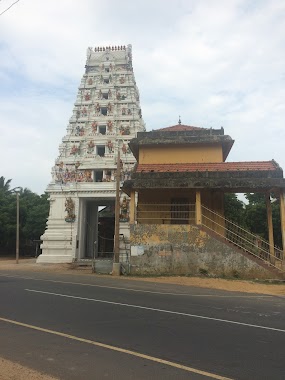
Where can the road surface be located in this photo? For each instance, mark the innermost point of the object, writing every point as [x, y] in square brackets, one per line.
[91, 327]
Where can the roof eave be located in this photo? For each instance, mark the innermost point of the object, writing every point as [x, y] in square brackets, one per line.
[227, 146]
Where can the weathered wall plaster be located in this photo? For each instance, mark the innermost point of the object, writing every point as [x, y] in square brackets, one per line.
[185, 249]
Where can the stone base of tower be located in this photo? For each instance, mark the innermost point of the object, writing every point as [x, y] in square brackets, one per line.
[56, 249]
[54, 259]
[59, 239]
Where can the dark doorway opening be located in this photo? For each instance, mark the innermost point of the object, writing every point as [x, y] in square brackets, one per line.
[97, 229]
[106, 230]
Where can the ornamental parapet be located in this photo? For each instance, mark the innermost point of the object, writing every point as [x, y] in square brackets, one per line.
[81, 189]
[109, 48]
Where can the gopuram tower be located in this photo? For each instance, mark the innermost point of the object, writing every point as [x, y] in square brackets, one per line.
[106, 115]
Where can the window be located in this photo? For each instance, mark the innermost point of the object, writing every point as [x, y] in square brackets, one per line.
[104, 111]
[107, 81]
[105, 96]
[107, 69]
[98, 175]
[102, 129]
[108, 175]
[101, 150]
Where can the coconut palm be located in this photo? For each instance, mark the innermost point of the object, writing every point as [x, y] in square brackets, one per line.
[5, 185]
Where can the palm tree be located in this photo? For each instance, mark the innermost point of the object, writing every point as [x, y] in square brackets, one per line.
[5, 185]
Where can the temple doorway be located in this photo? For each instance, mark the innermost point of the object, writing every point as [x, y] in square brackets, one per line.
[106, 231]
[96, 229]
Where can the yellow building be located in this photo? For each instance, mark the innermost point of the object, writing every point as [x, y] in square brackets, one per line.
[180, 179]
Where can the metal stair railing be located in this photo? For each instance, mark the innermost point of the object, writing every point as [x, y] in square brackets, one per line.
[240, 237]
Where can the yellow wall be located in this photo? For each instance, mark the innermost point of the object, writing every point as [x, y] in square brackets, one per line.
[213, 200]
[154, 206]
[180, 154]
[149, 210]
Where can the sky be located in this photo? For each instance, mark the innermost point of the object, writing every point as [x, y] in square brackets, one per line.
[215, 63]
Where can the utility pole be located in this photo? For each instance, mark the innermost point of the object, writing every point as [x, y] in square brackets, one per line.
[17, 229]
[116, 264]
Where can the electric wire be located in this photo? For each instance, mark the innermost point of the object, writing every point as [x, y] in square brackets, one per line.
[9, 7]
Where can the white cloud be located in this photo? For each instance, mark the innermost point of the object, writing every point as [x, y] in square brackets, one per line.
[215, 63]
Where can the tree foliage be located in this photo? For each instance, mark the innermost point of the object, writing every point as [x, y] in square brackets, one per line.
[234, 209]
[253, 214]
[256, 214]
[33, 209]
[5, 185]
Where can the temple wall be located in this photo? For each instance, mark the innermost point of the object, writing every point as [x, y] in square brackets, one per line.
[180, 154]
[186, 250]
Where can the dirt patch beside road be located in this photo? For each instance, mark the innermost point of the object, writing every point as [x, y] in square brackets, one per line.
[13, 371]
[30, 265]
[201, 282]
[221, 284]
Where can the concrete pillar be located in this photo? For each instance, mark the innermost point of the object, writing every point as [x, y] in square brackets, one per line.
[136, 205]
[82, 228]
[270, 225]
[116, 269]
[282, 218]
[91, 227]
[198, 208]
[132, 207]
[96, 237]
[93, 235]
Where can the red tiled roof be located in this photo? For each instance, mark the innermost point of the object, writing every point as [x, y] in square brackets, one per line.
[179, 127]
[211, 167]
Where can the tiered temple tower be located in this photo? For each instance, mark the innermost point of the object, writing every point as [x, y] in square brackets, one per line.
[106, 116]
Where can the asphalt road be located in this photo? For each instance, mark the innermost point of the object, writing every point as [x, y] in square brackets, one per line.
[65, 319]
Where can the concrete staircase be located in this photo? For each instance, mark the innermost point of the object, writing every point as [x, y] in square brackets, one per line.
[243, 242]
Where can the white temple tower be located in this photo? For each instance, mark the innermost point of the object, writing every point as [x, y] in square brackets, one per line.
[106, 115]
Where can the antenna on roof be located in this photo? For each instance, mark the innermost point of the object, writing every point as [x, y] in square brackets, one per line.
[179, 121]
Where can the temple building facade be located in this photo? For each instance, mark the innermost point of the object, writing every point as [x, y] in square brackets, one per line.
[106, 116]
[177, 221]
